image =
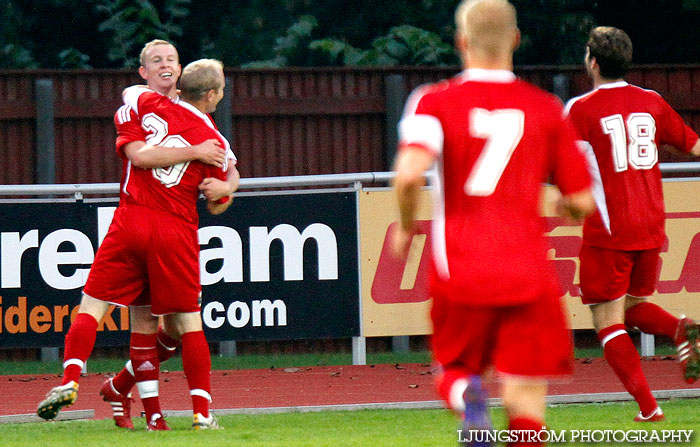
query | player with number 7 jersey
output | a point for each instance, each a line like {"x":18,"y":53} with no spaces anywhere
{"x":497,"y":139}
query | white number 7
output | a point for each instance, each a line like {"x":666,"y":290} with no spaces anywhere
{"x":502,"y":130}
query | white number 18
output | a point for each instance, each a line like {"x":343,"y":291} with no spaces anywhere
{"x":641,"y":152}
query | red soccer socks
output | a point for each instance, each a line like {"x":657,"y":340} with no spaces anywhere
{"x":196,"y":362}
{"x":623,"y":357}
{"x":166,"y":347}
{"x":651,"y":319}
{"x":78,"y":345}
{"x":528,"y":429}
{"x":146,"y":367}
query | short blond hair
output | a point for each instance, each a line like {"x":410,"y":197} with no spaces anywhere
{"x":488,"y":25}
{"x":199,"y":77}
{"x":151,"y":44}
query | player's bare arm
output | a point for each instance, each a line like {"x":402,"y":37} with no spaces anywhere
{"x":148,"y":156}
{"x":410,"y":166}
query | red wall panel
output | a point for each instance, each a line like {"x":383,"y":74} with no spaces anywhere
{"x":285,"y":122}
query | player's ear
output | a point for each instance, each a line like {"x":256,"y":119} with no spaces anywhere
{"x":142,"y":72}
{"x":516,"y":41}
{"x":460,"y":42}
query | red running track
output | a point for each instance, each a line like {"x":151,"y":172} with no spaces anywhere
{"x":327,"y":385}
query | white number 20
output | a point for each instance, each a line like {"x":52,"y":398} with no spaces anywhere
{"x":502,"y":130}
{"x":158,"y":135}
{"x":641,"y":152}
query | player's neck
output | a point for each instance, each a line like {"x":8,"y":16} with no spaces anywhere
{"x":599,"y":80}
{"x":199,"y":105}
{"x":172,"y":92}
{"x":490,"y":64}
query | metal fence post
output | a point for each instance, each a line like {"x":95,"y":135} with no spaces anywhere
{"x":561,"y":86}
{"x":395,"y":99}
{"x":647,"y":342}
{"x":400,"y":343}
{"x":45,"y":157}
{"x":46,"y":153}
{"x":223,"y":114}
{"x":227,"y":348}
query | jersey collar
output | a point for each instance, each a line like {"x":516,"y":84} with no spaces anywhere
{"x":485,"y":75}
{"x":615,"y":84}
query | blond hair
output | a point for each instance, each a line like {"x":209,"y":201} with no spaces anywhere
{"x":488,"y":25}
{"x":151,"y":44}
{"x":199,"y":77}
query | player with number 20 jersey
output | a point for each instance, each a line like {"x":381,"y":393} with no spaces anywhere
{"x":158,"y":248}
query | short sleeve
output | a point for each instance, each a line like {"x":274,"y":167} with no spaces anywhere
{"x":420,"y":125}
{"x":128,"y":128}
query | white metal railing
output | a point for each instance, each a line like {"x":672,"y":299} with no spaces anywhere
{"x":259,"y":182}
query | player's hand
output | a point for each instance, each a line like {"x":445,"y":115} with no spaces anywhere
{"x":215,"y":189}
{"x":210,"y":152}
{"x":401,"y":241}
{"x":568,"y":211}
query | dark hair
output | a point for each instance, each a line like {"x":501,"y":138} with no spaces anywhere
{"x":612,"y":49}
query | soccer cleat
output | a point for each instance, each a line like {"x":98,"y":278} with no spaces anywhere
{"x":656,"y":416}
{"x":688,"y":346}
{"x":476,"y":412}
{"x":57,"y":398}
{"x":157,"y":423}
{"x":121,"y":405}
{"x":202,"y":423}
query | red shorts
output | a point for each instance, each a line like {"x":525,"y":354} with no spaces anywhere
{"x":608,"y":275}
{"x":146,"y":251}
{"x":529,"y":340}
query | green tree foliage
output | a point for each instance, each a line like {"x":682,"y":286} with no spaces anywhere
{"x":72,"y":58}
{"x":110,"y":33}
{"x":290,"y":49}
{"x":132,"y":23}
{"x":13,"y":54}
{"x":404,"y":45}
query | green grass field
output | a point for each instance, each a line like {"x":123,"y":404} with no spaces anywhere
{"x":352,"y":428}
{"x":375,"y":428}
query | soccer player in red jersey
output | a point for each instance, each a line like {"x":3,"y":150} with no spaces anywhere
{"x":494,"y":140}
{"x":160,"y":68}
{"x":621,"y":127}
{"x":152,"y":243}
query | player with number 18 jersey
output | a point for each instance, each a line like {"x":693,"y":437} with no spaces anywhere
{"x":621,"y":127}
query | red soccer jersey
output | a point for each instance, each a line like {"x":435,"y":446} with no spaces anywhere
{"x":171,"y":123}
{"x":621,"y":126}
{"x":497,"y":139}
